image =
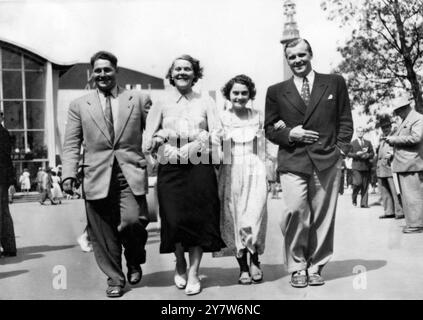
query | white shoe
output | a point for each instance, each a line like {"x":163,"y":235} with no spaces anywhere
{"x":84,"y":243}
{"x":192,"y":289}
{"x":180,"y":280}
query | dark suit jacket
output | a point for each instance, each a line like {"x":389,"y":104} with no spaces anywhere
{"x":359,"y":163}
{"x":328,"y":113}
{"x":6,"y":167}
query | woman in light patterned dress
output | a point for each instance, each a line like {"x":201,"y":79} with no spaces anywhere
{"x":181,"y":126}
{"x":243,"y":180}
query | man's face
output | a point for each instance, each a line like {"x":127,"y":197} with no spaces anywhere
{"x":386,"y":129}
{"x":104,"y":75}
{"x":299,"y":59}
{"x":360,"y":133}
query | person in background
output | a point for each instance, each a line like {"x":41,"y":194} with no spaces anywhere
{"x":25,"y":181}
{"x":46,"y":187}
{"x":7,"y":179}
{"x":362,"y":154}
{"x":407,"y":162}
{"x":391,"y":203}
{"x":56,"y":191}
{"x":243,"y":217}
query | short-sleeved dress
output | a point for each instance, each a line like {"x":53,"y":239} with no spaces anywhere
{"x":187,"y":191}
{"x":243,"y":186}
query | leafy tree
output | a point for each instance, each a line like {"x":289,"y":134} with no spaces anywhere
{"x":384,"y":53}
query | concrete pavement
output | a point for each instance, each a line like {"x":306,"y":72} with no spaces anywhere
{"x":373,"y":260}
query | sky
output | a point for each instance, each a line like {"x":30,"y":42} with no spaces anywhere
{"x":229,"y":37}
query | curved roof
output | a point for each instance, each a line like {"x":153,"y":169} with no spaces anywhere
{"x":34,"y":52}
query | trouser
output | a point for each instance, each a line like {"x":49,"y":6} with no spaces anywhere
{"x":411,"y":187}
{"x":390,"y":200}
{"x":361,"y":181}
{"x":116,"y":221}
{"x":7,"y":232}
{"x":46,"y":194}
{"x":308,"y":219}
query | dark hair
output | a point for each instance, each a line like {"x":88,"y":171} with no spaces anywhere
{"x":296,"y":41}
{"x":241,"y":79}
{"x":198,"y":70}
{"x":104,"y":55}
{"x":382,"y":120}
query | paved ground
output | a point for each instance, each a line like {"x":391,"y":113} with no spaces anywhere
{"x":50,"y":264}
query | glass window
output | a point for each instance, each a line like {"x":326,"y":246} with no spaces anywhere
{"x":13,"y":114}
{"x":34,"y":85}
{"x":12,"y":85}
{"x":33,"y":63}
{"x":35,"y":115}
{"x":18,"y":142}
{"x":11,"y":59}
{"x":37,"y":144}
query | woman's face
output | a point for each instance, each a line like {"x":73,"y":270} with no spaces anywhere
{"x":182,"y":74}
{"x":239,"y":95}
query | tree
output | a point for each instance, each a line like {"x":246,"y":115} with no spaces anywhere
{"x":384,"y":53}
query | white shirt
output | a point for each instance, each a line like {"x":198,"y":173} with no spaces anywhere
{"x":114,"y":101}
{"x":299,"y":81}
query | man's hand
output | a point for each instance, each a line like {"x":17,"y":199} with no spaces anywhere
{"x":68,"y":184}
{"x":306,"y":136}
{"x":389,"y":140}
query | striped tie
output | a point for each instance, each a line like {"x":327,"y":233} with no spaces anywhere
{"x":109,"y":117}
{"x":305,"y":91}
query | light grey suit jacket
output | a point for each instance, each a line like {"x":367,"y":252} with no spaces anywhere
{"x":408,"y":144}
{"x":86,"y":124}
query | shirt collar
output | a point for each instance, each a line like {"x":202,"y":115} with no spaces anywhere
{"x":179,"y":96}
{"x":310,"y":77}
{"x":114,"y":92}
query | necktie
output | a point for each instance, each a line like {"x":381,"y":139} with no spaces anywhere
{"x":109,"y":117}
{"x":305,"y":91}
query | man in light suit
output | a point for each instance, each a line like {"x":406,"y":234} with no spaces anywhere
{"x":110,"y":121}
{"x":316,"y":110}
{"x":362,"y":154}
{"x":7,"y":231}
{"x":407,"y":162}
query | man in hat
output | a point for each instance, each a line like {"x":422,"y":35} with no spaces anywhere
{"x":407,"y":162}
{"x":390,"y":198}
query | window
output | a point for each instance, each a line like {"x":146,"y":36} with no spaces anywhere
{"x":22,"y":99}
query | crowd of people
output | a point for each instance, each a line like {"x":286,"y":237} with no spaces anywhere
{"x":212,"y":171}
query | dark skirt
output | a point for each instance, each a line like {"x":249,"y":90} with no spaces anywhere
{"x":189,"y":207}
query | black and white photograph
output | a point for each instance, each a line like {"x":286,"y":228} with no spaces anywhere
{"x":199,"y":150}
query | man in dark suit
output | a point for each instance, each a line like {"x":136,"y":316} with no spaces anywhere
{"x":110,"y":121}
{"x":316,"y":110}
{"x":7,"y":232}
{"x":362,"y":155}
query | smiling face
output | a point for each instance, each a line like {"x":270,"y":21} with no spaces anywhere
{"x":104,"y":73}
{"x":182,"y":74}
{"x":239,"y":95}
{"x":299,"y":59}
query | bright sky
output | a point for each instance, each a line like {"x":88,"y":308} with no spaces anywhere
{"x":228,"y":36}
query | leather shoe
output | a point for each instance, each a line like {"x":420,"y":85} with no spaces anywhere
{"x":354,"y":204}
{"x":134,"y":275}
{"x":299,"y":280}
{"x":114,"y":291}
{"x":244,"y":278}
{"x":256,"y":273}
{"x":412,"y":230}
{"x":387,"y":216}
{"x":365,"y":207}
{"x":315,"y":279}
{"x":8,"y":254}
{"x":399,"y":217}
